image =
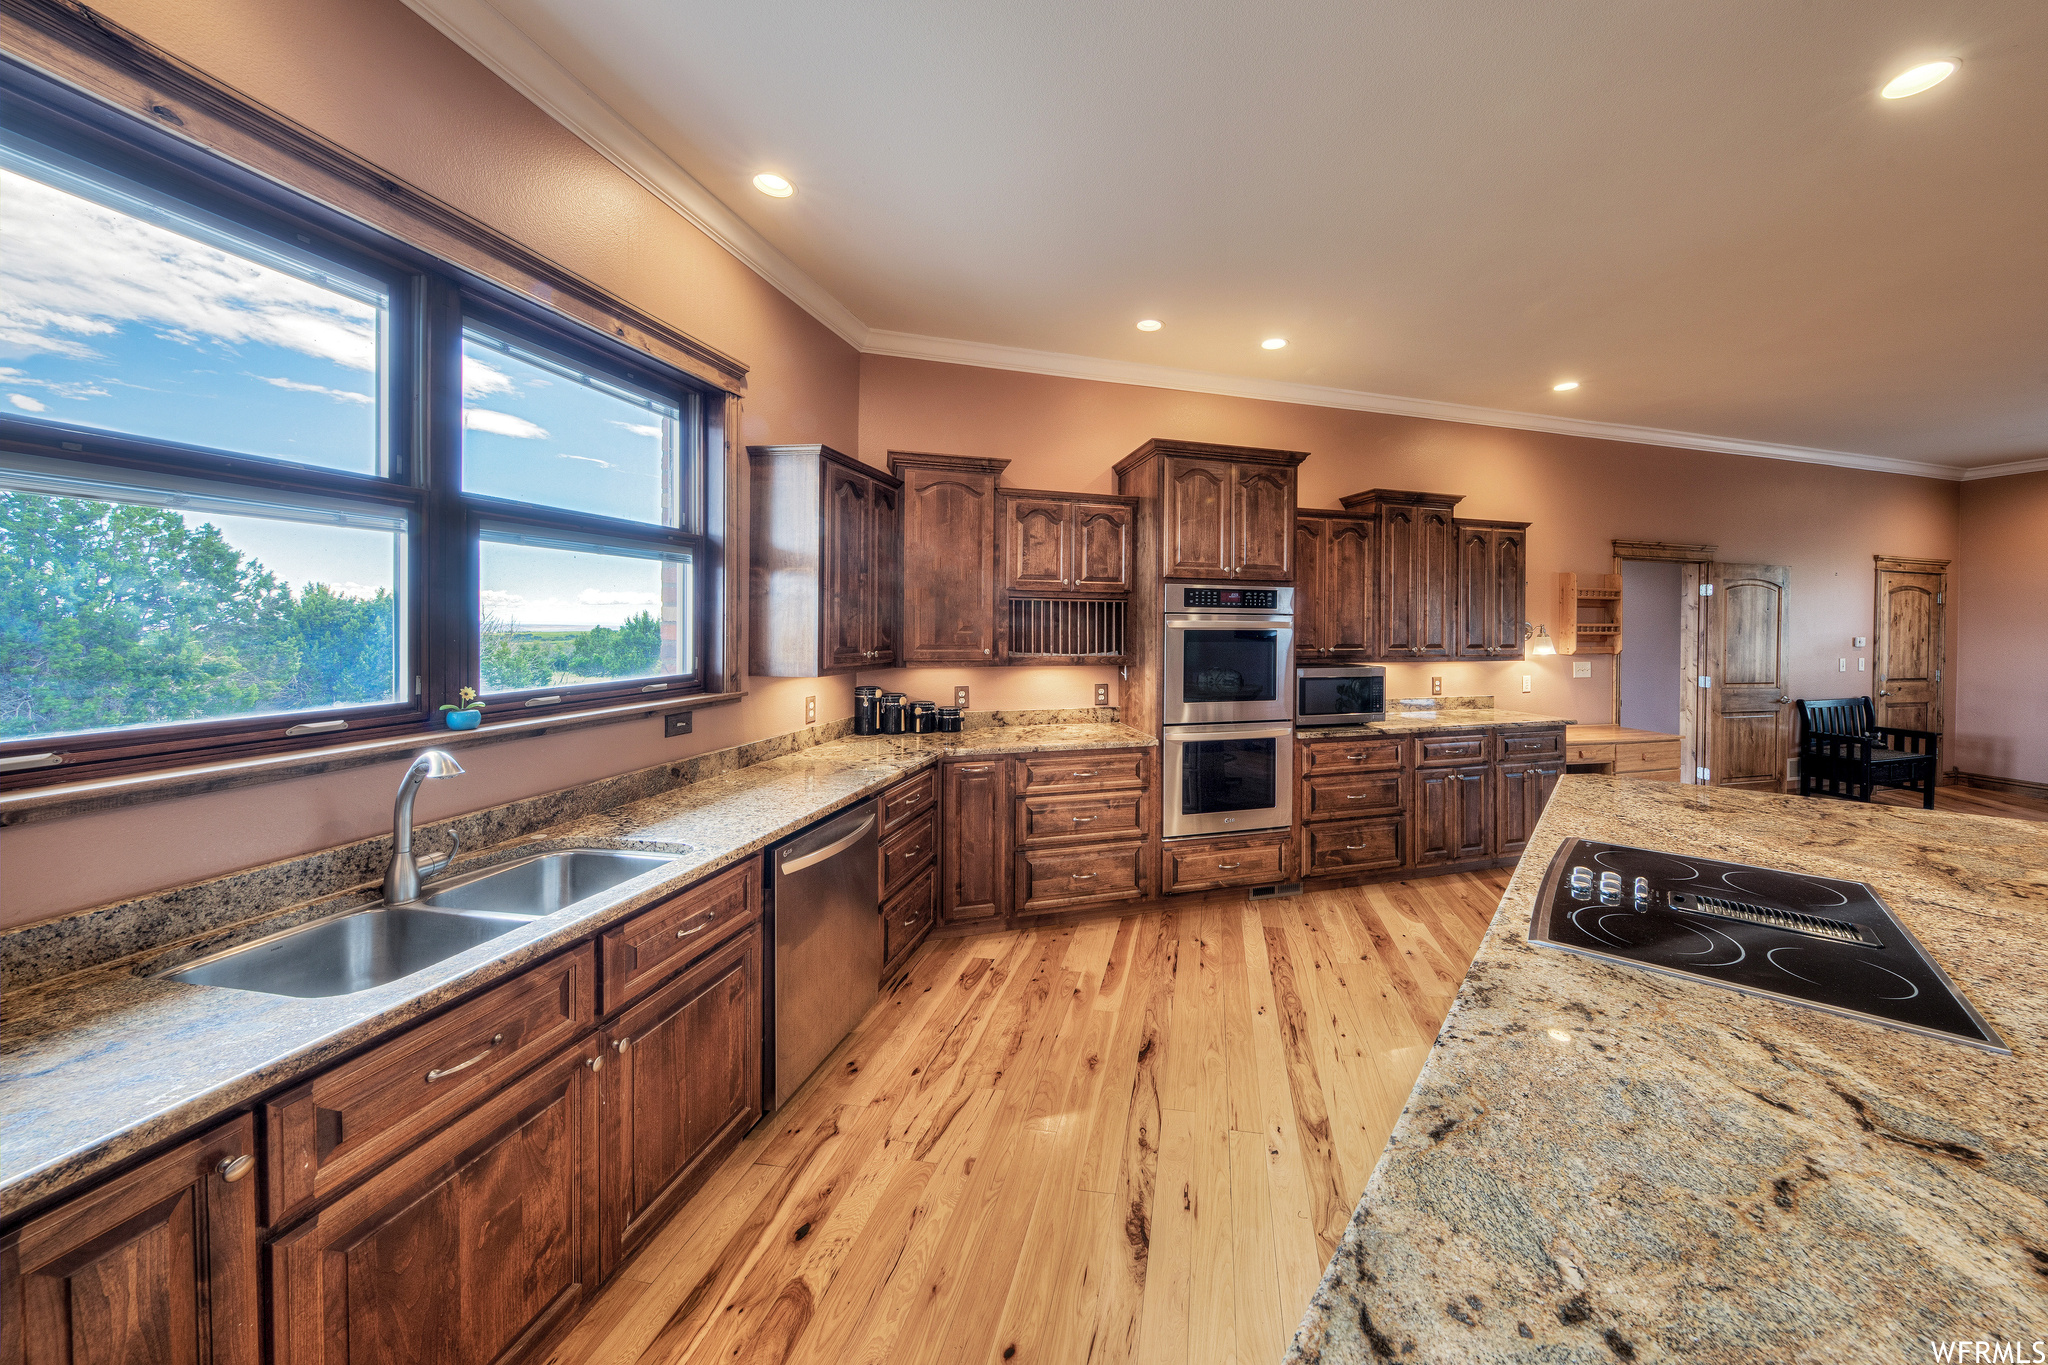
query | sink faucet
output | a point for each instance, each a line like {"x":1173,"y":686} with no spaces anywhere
{"x":404,"y":876}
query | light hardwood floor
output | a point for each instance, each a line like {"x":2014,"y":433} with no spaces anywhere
{"x":1127,"y":1140}
{"x":1969,"y":801}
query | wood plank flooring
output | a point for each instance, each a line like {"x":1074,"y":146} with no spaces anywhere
{"x":1131,"y":1140}
{"x":1969,"y":801}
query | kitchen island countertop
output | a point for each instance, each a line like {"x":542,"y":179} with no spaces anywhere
{"x":1599,"y":1163}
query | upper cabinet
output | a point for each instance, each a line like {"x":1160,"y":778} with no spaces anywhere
{"x":949,"y":558}
{"x":1417,"y":587}
{"x":1065,"y":544}
{"x":825,"y":563}
{"x":1492,"y":581}
{"x":1223,"y":511}
{"x":1336,"y":608}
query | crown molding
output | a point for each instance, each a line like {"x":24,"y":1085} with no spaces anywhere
{"x":1999,"y":471}
{"x":989,"y":356}
{"x":485,"y":34}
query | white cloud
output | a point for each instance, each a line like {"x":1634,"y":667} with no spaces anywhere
{"x":480,"y":377}
{"x":587,"y":459}
{"x":361,"y":592}
{"x":26,"y":403}
{"x":637,"y":428}
{"x":593,"y":597}
{"x":338,"y":395}
{"x":74,"y":270}
{"x":502,"y":423}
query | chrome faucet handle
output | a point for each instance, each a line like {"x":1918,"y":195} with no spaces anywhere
{"x":441,"y":864}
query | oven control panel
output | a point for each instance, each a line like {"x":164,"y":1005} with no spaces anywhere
{"x":1256,"y":599}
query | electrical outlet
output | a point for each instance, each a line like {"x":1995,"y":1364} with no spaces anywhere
{"x":810,"y":710}
{"x":1436,"y":687}
{"x":960,"y":697}
{"x":1528,"y":683}
{"x":1102,"y":694}
{"x":677,"y":724}
{"x":1862,"y":641}
{"x":1581,"y":670}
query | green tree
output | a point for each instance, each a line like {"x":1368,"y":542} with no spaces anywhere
{"x":628,"y":652}
{"x":509,"y":664}
{"x":346,"y":646}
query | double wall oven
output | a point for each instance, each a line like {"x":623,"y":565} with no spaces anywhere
{"x":1228,"y":711}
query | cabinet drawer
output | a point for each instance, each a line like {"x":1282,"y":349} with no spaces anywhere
{"x":1638,"y":758}
{"x":1435,"y":750}
{"x":1340,"y":755}
{"x":1353,"y":846}
{"x":1589,"y":753}
{"x":1200,"y":864}
{"x":356,"y":1117}
{"x":907,"y":798}
{"x":1532,"y":745}
{"x":908,"y":849}
{"x":1081,"y":772}
{"x":641,"y":952}
{"x":906,"y":918}
{"x":1657,"y":775}
{"x":1048,"y":820}
{"x":1057,"y":878}
{"x":1331,"y":798}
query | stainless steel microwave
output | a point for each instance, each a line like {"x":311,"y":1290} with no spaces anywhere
{"x":1338,"y":694}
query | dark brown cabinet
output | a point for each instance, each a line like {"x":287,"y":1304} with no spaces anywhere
{"x":681,"y":1083}
{"x":1451,"y":814}
{"x":1102,"y":547}
{"x":949,"y":558}
{"x":825,"y":573}
{"x":1492,"y":582}
{"x":1336,"y":579}
{"x":1523,"y":789}
{"x":1222,"y":511}
{"x":478,"y":1244}
{"x":1056,"y":544}
{"x":974,"y":862}
{"x":159,"y":1264}
{"x":1415,"y":582}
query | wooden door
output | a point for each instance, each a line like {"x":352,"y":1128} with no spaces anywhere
{"x":682,"y":1084}
{"x":1196,"y":501}
{"x":1101,"y":559}
{"x":948,"y":542}
{"x":474,"y":1247}
{"x":1508,"y":591}
{"x":1476,"y":605}
{"x":1451,"y":814}
{"x":1435,"y":583}
{"x":885,"y":578}
{"x":157,"y":1265}
{"x":1310,"y":607}
{"x":847,"y":615}
{"x":1036,"y":533}
{"x":1907,"y":649}
{"x":1347,"y":590}
{"x":1399,"y":595}
{"x":1747,"y":665}
{"x":1262,"y":522}
{"x":1522,"y":791}
{"x":974,"y":842}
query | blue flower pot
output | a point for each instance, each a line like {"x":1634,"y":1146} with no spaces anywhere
{"x":464,"y":720}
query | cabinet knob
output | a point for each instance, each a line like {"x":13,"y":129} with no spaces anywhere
{"x":595,"y":1063}
{"x":235,"y":1167}
{"x":621,"y":1044}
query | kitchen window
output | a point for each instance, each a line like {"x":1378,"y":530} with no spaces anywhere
{"x":270,"y":480}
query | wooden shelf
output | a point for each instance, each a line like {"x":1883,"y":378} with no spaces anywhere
{"x":1588,"y":614}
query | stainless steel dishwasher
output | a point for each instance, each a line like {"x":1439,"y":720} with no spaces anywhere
{"x":828,"y":940}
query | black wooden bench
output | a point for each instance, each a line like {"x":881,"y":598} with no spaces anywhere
{"x":1844,"y":752}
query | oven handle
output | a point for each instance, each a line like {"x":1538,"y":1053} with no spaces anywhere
{"x":1178,"y":622}
{"x":1277,"y":729}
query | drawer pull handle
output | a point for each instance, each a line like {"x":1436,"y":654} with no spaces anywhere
{"x":1359,"y":796}
{"x":685,"y":933}
{"x":439,"y":1072}
{"x":977,"y":768}
{"x":1353,"y":848}
{"x":1089,"y":773}
{"x":1083,"y":819}
{"x":1355,"y":758}
{"x":1229,"y":867}
{"x":1082,"y":876}
{"x":233,"y":1168}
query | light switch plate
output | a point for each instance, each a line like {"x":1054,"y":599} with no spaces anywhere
{"x":960,"y":697}
{"x":1102,"y":694}
{"x":677,"y":724}
{"x":810,"y":710}
{"x":1528,"y":683}
{"x":1859,"y":665}
{"x":1581,"y":670}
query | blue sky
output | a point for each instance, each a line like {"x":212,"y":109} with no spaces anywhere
{"x":114,"y":322}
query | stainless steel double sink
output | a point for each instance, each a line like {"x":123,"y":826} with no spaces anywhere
{"x":380,"y":944}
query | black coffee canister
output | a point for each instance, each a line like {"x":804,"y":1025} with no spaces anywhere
{"x":949,"y":720}
{"x":867,"y":718}
{"x":892,"y":713}
{"x":923,"y":718}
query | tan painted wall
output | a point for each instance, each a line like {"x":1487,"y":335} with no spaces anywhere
{"x":1823,"y":522}
{"x":374,"y":77}
{"x":1999,"y":717}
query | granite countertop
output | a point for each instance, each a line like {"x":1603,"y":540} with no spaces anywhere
{"x":1424,"y":722}
{"x":101,"y":1064}
{"x":1599,"y":1163}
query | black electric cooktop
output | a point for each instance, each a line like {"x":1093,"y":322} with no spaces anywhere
{"x":1814,"y":941}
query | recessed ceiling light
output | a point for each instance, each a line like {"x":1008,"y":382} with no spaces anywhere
{"x":773,"y":186}
{"x":1565,"y":387}
{"x":1150,"y":325}
{"x":1274,"y":343}
{"x":1919,"y":78}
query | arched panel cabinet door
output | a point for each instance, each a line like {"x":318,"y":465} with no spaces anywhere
{"x":1037,"y":550}
{"x":950,"y":559}
{"x":1311,"y":588}
{"x":1197,"y":530}
{"x":1262,"y":522}
{"x":1101,"y":560}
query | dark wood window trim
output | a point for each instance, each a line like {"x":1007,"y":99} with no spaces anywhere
{"x":70,"y":67}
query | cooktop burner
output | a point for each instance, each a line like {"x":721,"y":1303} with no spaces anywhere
{"x":1831,"y":945}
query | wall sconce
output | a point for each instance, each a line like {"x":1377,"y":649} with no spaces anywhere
{"x":1541,"y":635}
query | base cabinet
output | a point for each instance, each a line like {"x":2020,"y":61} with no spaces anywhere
{"x":1524,"y":790}
{"x":1233,"y":860}
{"x":974,"y":863}
{"x":157,"y":1265}
{"x":1451,"y":814}
{"x":475,"y":1246}
{"x":1355,"y":846}
{"x":681,"y":1084}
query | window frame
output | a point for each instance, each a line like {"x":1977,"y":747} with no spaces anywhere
{"x":431,"y":296}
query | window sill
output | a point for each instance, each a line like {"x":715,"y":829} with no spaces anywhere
{"x":134,"y":789}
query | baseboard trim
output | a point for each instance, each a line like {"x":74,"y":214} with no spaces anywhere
{"x":2015,"y":785}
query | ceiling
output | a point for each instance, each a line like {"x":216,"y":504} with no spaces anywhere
{"x":1704,"y":213}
